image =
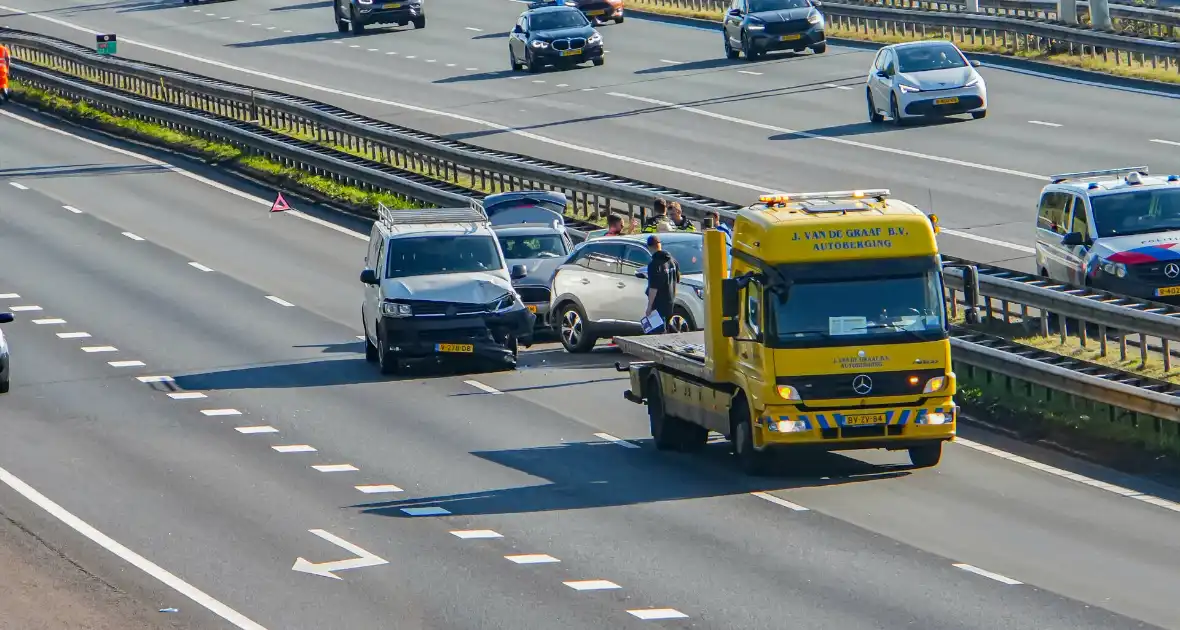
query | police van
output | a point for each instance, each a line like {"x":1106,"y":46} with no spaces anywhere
{"x":437,"y":288}
{"x":1116,"y":230}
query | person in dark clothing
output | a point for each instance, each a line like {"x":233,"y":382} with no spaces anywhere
{"x":659,"y":213}
{"x":663,"y":274}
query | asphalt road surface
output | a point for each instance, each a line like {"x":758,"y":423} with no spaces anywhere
{"x":254,"y":456}
{"x":666,"y":107}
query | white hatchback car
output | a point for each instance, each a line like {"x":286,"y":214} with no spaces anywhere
{"x":600,"y":290}
{"x":5,"y":359}
{"x":924,"y":79}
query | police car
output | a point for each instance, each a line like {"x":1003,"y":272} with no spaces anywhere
{"x":1115,"y":229}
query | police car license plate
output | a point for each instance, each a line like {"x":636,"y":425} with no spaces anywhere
{"x":1162,"y":291}
{"x":465,"y":348}
{"x":394,"y":5}
{"x":598,"y":12}
{"x":872,"y":418}
{"x":790,"y":38}
{"x":571,"y":53}
{"x":532,"y":308}
{"x":946,"y":101}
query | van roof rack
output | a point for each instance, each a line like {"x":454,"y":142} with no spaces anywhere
{"x":1115,"y":172}
{"x":429,"y":216}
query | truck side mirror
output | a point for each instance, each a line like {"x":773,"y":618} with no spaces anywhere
{"x":729,"y":328}
{"x":971,"y":294}
{"x":368,"y":276}
{"x":729,"y":299}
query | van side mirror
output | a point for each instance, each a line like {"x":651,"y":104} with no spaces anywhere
{"x":517,"y":29}
{"x":729,"y":328}
{"x":518,"y":271}
{"x":975,"y":63}
{"x":368,"y":276}
{"x":6,"y":317}
{"x":1073,"y":239}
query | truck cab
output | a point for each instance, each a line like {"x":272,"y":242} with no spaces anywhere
{"x":829,"y":332}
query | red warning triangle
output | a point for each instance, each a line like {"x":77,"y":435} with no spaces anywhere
{"x":280,"y":204}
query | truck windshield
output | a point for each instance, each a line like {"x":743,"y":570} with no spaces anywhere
{"x":1138,"y":212}
{"x":844,"y":312}
{"x":435,"y":254}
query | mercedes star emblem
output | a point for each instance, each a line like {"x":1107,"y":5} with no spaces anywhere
{"x":862,"y":385}
{"x":1171,"y":270}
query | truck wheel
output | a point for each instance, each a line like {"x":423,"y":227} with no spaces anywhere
{"x":386,"y":360}
{"x":665,"y":430}
{"x":752,"y":462}
{"x":926,"y":456}
{"x":574,"y":334}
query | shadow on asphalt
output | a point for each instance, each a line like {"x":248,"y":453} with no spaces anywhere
{"x":315,"y":373}
{"x":866,"y":128}
{"x":322,"y":4}
{"x":287,"y":40}
{"x":586,"y":475}
{"x":503,"y":35}
{"x":79,"y":170}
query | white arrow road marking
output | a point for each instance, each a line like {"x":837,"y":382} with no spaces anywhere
{"x":325,"y":569}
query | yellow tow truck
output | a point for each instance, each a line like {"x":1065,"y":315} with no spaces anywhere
{"x":829,"y":332}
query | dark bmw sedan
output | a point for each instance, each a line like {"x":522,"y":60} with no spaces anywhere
{"x":755,"y":27}
{"x":553,"y":36}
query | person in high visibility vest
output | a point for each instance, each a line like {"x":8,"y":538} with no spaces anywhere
{"x":5,"y":68}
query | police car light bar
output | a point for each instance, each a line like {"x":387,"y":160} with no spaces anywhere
{"x":1057,"y":179}
{"x":873,"y":193}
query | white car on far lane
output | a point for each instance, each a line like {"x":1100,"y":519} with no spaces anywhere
{"x":924,"y":79}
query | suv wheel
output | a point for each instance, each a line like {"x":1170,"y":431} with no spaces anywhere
{"x":574,"y":334}
{"x":512,"y":61}
{"x":420,"y":21}
{"x":341,"y":25}
{"x":358,"y":27}
{"x":680,"y":321}
{"x":730,"y":53}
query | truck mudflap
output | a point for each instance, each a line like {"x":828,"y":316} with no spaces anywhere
{"x":640,"y":372}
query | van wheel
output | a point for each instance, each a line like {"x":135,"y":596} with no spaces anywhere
{"x":926,"y":456}
{"x":386,"y":360}
{"x":753,"y":463}
{"x":575,"y":335}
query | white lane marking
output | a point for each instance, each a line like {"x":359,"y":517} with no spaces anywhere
{"x":122,"y":364}
{"x":187,"y":395}
{"x":1171,"y":142}
{"x":73,"y":335}
{"x":532,"y":558}
{"x":471,"y":69}
{"x":354,"y":46}
{"x":1065,"y":474}
{"x":473,"y":534}
{"x":426,"y":511}
{"x":990,"y":241}
{"x":750,"y":72}
{"x":256,"y":429}
{"x":487,"y":388}
{"x":73,"y":209}
{"x":1096,"y":84}
{"x":615,"y":440}
{"x":143,"y":564}
{"x":987,"y":574}
{"x":429,"y":61}
{"x":132,"y":236}
{"x":378,"y":488}
{"x":27,"y":307}
{"x":287,"y":31}
{"x":1043,"y":123}
{"x":671,"y":62}
{"x":650,"y":614}
{"x":843,"y":141}
{"x":391,"y":53}
{"x":777,"y":501}
{"x":450,"y":65}
{"x":325,"y":569}
{"x":372,"y":50}
{"x":411,"y":56}
{"x":18,"y":186}
{"x":538,"y":81}
{"x":361,"y":337}
{"x":591,"y":585}
{"x":472,"y":28}
{"x":99,"y":349}
{"x":270,"y":28}
{"x":327,"y":468}
{"x":294,"y":448}
{"x":9,"y":296}
{"x":563,"y":85}
{"x":44,"y":322}
{"x":279,"y":301}
{"x":240,"y":21}
{"x":199,"y":267}
{"x":221,"y":412}
{"x":838,"y":87}
{"x":154,"y":379}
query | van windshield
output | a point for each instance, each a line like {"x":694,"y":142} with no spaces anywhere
{"x":860,"y":311}
{"x":1138,"y":212}
{"x":432,"y":255}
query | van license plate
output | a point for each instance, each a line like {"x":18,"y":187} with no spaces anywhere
{"x":790,"y":38}
{"x":455,"y":347}
{"x":1162,"y":291}
{"x":946,"y":101}
{"x":873,"y":418}
{"x":571,"y":53}
{"x":532,"y":308}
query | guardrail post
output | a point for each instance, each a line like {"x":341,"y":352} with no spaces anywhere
{"x":972,"y":6}
{"x":1067,"y":11}
{"x":1142,"y":350}
{"x":1100,"y":15}
{"x":1167,"y":355}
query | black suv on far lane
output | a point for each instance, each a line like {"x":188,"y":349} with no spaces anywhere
{"x":358,"y":14}
{"x":755,"y":27}
{"x":553,"y":35}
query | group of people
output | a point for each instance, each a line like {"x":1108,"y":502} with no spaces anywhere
{"x":663,"y":274}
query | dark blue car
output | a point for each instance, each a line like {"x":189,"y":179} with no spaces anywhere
{"x":357,"y":14}
{"x":756,"y":27}
{"x":553,"y":35}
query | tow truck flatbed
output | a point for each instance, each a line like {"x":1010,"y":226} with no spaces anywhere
{"x":682,"y":352}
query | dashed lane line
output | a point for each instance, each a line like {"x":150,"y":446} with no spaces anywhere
{"x":155,"y":379}
{"x":426,"y":511}
{"x":616,"y":440}
{"x":1170,"y":142}
{"x":93,"y":349}
{"x":329,"y":468}
{"x":987,"y":574}
{"x":9,"y":296}
{"x":73,"y":209}
{"x":279,"y":301}
{"x":18,"y":185}
{"x":779,"y":501}
{"x":378,"y":488}
{"x":751,"y":72}
{"x":49,"y":321}
{"x":1043,"y":123}
{"x":472,"y":28}
{"x":256,"y":429}
{"x":221,"y":412}
{"x":653,"y":614}
{"x":126,"y":364}
{"x":133,"y":236}
{"x":186,"y":395}
{"x":24,"y":308}
{"x":199,"y":267}
{"x":486,"y":388}
{"x":592,"y":585}
{"x":73,"y":335}
{"x":474,"y":534}
{"x":294,"y":448}
{"x":532,"y":558}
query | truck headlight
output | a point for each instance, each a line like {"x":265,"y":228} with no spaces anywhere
{"x":393,"y":309}
{"x":1114,"y":268}
{"x":785,"y":426}
{"x":937,"y":417}
{"x":935,"y":384}
{"x":788,"y":393}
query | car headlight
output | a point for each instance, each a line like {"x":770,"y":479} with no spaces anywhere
{"x":503,"y":303}
{"x":786,"y":392}
{"x":595,"y":38}
{"x":540,"y":44}
{"x":975,"y":80}
{"x":935,"y":384}
{"x":754,"y":26}
{"x":393,"y":309}
{"x":365,"y":1}
{"x":1114,"y":268}
{"x":906,"y":89}
{"x":815,"y":18}
{"x":700,"y":291}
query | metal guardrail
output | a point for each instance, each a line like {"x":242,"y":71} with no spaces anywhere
{"x":1127,"y":18}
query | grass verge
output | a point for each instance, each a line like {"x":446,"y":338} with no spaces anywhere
{"x":319,"y":188}
{"x":879,"y":35}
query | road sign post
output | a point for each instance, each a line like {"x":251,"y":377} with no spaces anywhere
{"x":106,"y":44}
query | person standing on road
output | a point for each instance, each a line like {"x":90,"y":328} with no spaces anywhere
{"x":679,"y":221}
{"x":614,"y":226}
{"x":659,"y":215}
{"x":663,"y":275}
{"x":5,"y":71}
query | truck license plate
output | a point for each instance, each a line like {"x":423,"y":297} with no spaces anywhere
{"x":790,"y":38}
{"x":1162,"y":291}
{"x":455,"y":347}
{"x":946,"y":101}
{"x":532,"y":308}
{"x":571,"y":53}
{"x":872,"y":418}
